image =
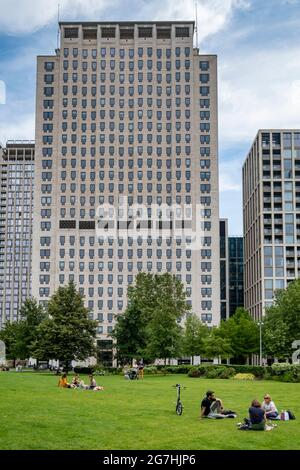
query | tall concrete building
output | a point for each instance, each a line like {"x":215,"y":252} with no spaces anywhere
{"x":16,"y":214}
{"x":235,"y":273}
{"x":271,"y":207}
{"x":224,"y":269}
{"x":126,"y":110}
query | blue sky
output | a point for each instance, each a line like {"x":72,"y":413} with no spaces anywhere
{"x":258,"y":48}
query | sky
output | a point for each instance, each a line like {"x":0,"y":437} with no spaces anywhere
{"x":258,"y":48}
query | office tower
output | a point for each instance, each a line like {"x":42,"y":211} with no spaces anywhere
{"x":271,"y":208}
{"x":224,"y":267}
{"x":125,"y":110}
{"x":236,"y":273}
{"x":16,"y":213}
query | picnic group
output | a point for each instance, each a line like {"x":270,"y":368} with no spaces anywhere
{"x":77,"y":383}
{"x":261,"y":414}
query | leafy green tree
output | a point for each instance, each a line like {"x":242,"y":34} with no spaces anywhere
{"x":129,"y":334}
{"x":163,"y":330}
{"x":216,"y":346}
{"x":243,"y":334}
{"x":10,"y":334}
{"x":31,"y":316}
{"x":164,"y":334}
{"x":68,"y":333}
{"x":194,"y":334}
{"x":156,"y":304}
{"x":275,"y":335}
{"x":287,"y":305}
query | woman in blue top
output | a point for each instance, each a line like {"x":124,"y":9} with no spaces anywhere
{"x":257,"y":416}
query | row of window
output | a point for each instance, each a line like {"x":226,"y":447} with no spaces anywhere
{"x":49,"y":104}
{"x":131,"y":53}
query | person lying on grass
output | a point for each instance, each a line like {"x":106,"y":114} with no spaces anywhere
{"x":212,"y":407}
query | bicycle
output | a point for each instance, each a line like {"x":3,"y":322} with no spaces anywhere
{"x":179,"y":405}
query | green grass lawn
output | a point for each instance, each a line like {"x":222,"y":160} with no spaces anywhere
{"x":36,"y":414}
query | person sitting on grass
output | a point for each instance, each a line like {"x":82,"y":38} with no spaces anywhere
{"x":269,"y":407}
{"x":257,"y":416}
{"x":212,"y":407}
{"x":93,"y":384}
{"x":75,"y":381}
{"x":63,"y":382}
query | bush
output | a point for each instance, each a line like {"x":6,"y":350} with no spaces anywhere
{"x":194,"y":372}
{"x":228,"y":373}
{"x":258,"y":371}
{"x":286,"y":372}
{"x":150,"y":370}
{"x":84,"y":370}
{"x":244,"y":376}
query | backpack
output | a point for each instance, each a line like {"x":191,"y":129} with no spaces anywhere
{"x":291,"y":414}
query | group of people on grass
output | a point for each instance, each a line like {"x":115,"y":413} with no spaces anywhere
{"x":77,"y":383}
{"x":259,"y":413}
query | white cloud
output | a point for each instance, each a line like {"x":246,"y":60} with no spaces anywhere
{"x":213,"y":15}
{"x":260,"y":89}
{"x":230,"y":178}
{"x":19,"y":128}
{"x":18,"y":17}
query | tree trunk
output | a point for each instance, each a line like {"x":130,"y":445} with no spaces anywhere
{"x":192,"y":360}
{"x":67,"y":367}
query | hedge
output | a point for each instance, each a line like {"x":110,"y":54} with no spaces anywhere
{"x":280,"y":372}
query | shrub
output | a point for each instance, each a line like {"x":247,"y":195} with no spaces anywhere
{"x":194,"y":372}
{"x":150,"y":370}
{"x":84,"y":370}
{"x":227,"y":373}
{"x":244,"y":376}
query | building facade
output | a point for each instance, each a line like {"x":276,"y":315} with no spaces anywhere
{"x":235,"y":273}
{"x":271,"y":209}
{"x":126,"y":116}
{"x":16,"y":216}
{"x":224,"y":269}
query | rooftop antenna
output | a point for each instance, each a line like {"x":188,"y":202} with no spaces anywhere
{"x":58,"y":19}
{"x":196,"y":28}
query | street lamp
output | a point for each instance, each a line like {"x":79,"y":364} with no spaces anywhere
{"x":260,"y":323}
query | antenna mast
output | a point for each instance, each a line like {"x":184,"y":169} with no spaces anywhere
{"x":58,"y":19}
{"x":196,"y":28}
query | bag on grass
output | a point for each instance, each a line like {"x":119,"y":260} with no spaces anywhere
{"x":284,"y":416}
{"x":291,"y":414}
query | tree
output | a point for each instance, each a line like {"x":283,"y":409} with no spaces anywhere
{"x":194,"y":334}
{"x":216,"y":346}
{"x":129,"y":333}
{"x":156,"y":304}
{"x":242,"y":333}
{"x":163,"y":334}
{"x":275,"y":333}
{"x":31,"y":316}
{"x":287,"y":308}
{"x":10,"y":334}
{"x":67,"y":334}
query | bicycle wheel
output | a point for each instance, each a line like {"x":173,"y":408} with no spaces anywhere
{"x":179,"y":408}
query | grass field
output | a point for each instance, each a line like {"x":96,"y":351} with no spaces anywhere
{"x":36,"y":414}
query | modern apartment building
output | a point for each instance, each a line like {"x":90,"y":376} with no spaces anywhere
{"x":271,"y":207}
{"x":235,"y":273}
{"x":224,"y":269}
{"x":16,"y":214}
{"x":126,"y":110}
